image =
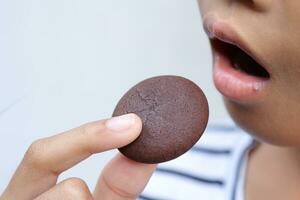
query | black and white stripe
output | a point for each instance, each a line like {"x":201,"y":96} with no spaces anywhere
{"x":208,"y":171}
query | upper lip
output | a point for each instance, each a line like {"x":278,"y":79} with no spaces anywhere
{"x":222,"y":30}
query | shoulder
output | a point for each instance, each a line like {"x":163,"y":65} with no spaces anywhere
{"x":206,"y":170}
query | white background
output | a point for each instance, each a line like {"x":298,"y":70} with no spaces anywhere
{"x":67,"y":62}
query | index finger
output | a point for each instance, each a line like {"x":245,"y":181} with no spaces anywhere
{"x":47,"y":158}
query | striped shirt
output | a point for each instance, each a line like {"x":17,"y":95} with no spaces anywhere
{"x":214,"y":169}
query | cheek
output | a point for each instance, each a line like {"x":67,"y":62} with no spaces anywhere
{"x":274,"y":122}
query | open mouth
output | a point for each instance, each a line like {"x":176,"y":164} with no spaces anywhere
{"x":240,"y":60}
{"x":238,"y":73}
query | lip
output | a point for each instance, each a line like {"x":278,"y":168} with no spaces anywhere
{"x":233,"y":84}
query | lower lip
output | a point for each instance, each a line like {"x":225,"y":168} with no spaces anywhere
{"x":233,"y":84}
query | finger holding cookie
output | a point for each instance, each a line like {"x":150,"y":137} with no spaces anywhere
{"x":36,"y":177}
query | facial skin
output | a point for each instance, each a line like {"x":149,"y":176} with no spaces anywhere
{"x":271,"y":29}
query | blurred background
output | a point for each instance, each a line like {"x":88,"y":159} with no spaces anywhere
{"x":67,"y":62}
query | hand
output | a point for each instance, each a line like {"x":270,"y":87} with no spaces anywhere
{"x":36,"y":177}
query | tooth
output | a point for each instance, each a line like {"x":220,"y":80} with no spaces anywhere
{"x":237,"y":67}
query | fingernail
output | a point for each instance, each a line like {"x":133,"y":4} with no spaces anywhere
{"x":120,"y":123}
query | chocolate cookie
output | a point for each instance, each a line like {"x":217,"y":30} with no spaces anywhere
{"x":174,"y":112}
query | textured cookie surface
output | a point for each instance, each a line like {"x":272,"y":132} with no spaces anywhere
{"x":174,"y":112}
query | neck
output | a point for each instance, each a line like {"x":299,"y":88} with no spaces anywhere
{"x":273,"y":173}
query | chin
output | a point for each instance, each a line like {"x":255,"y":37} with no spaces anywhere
{"x":264,"y":125}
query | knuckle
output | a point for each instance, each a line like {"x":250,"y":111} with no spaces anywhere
{"x":76,"y":188}
{"x":88,"y":128}
{"x":35,"y":154}
{"x":120,"y":192}
{"x":91,"y":129}
{"x":85,"y":128}
{"x":90,"y":134}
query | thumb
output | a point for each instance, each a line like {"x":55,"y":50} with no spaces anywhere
{"x":123,"y":178}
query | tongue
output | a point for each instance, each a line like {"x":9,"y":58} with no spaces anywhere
{"x":243,"y":62}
